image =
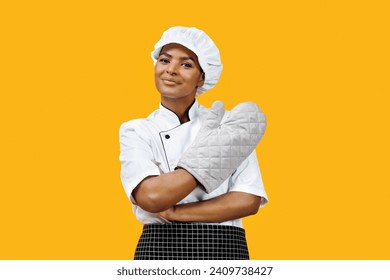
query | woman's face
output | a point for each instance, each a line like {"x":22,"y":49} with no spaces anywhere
{"x":177,"y":73}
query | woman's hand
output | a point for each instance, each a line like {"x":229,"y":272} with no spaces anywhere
{"x":169,"y":214}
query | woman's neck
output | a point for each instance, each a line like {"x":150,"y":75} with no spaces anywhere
{"x":181,"y":109}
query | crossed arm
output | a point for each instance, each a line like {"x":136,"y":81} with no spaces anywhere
{"x":160,"y":194}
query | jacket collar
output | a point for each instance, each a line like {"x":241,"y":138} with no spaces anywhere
{"x":168,"y":117}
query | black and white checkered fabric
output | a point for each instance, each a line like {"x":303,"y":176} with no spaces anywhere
{"x":187,"y":241}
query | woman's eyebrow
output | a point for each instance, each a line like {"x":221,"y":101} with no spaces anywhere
{"x":187,"y":57}
{"x":181,"y":58}
{"x":166,"y":54}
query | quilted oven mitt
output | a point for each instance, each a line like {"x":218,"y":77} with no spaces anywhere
{"x":220,"y":147}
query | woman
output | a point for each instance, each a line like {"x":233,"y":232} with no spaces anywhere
{"x":189,"y":212}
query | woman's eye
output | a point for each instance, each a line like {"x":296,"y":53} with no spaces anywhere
{"x":164,"y":60}
{"x":187,"y":65}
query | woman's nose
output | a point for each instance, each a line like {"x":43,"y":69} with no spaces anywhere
{"x":171,"y":68}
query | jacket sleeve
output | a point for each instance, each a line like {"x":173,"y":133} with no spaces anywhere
{"x":136,"y":157}
{"x":247,"y":178}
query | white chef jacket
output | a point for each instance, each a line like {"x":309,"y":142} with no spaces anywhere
{"x":162,"y":139}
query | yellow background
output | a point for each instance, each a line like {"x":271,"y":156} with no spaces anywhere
{"x":73,"y":71}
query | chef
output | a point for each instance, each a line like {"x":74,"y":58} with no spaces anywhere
{"x":190,"y":204}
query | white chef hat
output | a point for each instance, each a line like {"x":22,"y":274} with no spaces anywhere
{"x":201,"y":44}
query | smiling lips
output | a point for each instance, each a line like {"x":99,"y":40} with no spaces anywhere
{"x":169,"y":82}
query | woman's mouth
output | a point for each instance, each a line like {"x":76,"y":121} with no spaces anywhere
{"x":169,"y":82}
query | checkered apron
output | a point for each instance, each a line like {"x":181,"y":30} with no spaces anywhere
{"x":188,"y":241}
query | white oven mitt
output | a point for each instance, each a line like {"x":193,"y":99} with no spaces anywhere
{"x":220,"y":147}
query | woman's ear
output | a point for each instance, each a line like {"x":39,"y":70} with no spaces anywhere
{"x":201,"y":80}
